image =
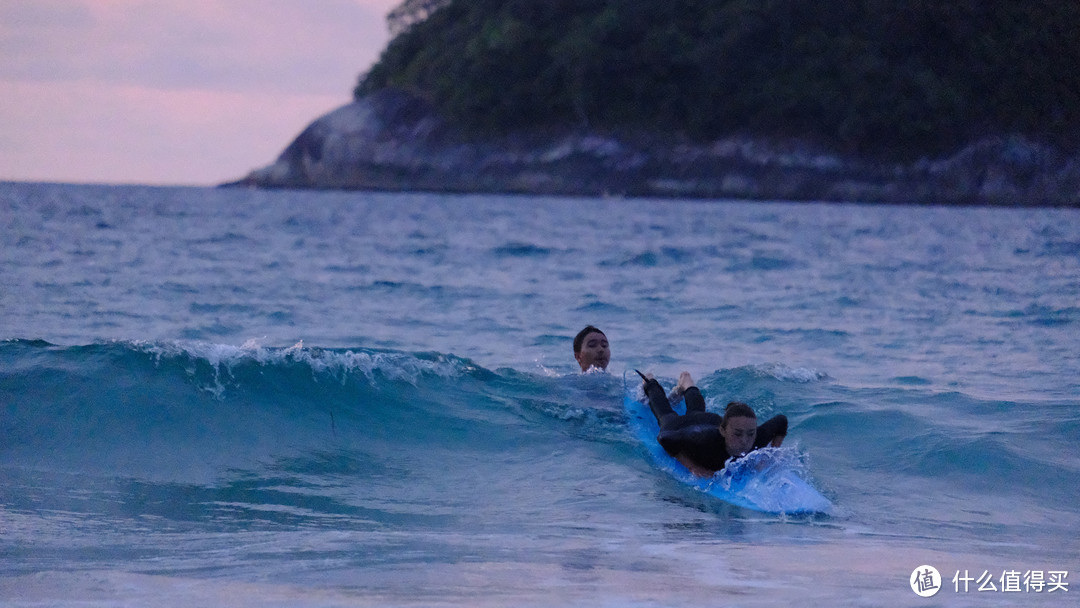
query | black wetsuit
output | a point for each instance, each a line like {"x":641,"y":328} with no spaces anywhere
{"x":697,"y":433}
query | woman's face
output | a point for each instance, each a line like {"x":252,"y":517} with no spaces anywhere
{"x":594,"y":352}
{"x":739,"y":434}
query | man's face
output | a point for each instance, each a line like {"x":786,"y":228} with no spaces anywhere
{"x":594,"y":352}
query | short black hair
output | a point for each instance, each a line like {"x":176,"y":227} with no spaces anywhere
{"x":737,"y":409}
{"x":578,"y":339}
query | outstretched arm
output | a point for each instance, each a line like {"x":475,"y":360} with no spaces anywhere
{"x":772,"y":432}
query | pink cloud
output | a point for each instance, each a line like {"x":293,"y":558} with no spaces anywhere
{"x":88,"y":132}
{"x":161,"y":92}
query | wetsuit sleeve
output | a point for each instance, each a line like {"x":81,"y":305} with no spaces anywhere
{"x":771,"y":429}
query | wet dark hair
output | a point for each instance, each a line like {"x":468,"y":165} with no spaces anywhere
{"x":578,"y":339}
{"x":737,"y":409}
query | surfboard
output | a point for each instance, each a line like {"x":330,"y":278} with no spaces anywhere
{"x":764,"y":480}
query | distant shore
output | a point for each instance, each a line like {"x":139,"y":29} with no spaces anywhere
{"x":390,"y":141}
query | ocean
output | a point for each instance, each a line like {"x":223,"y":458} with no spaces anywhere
{"x":232,"y":397}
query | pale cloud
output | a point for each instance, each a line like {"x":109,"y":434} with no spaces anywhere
{"x":172,"y":92}
{"x":271,"y":45}
{"x":102,"y":133}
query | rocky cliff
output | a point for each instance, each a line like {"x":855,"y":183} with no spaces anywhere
{"x":393,"y":141}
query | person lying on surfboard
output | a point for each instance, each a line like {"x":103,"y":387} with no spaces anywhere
{"x":704,"y":441}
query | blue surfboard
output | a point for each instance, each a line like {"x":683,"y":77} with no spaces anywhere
{"x":763,"y":480}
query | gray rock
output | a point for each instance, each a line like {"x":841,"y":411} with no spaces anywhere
{"x":395,"y":141}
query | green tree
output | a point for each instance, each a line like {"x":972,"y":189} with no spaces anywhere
{"x":890,"y":77}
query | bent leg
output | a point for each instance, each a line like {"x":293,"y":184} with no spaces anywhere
{"x":695,"y":401}
{"x":775,"y":427}
{"x":658,"y":402}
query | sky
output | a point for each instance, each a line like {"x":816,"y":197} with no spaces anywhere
{"x":172,"y":92}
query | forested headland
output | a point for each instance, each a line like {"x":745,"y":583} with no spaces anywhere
{"x":901,"y":101}
{"x":896,"y":79}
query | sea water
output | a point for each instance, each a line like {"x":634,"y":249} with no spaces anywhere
{"x":229,"y":397}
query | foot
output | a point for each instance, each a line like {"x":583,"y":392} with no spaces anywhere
{"x":685,"y":382}
{"x":645,"y":378}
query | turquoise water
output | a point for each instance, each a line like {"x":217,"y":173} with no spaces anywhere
{"x":233,"y":397}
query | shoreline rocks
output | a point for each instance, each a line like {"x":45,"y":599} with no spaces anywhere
{"x":392,"y":141}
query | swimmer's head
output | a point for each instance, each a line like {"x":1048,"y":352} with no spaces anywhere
{"x":739,"y":428}
{"x":591,"y":349}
